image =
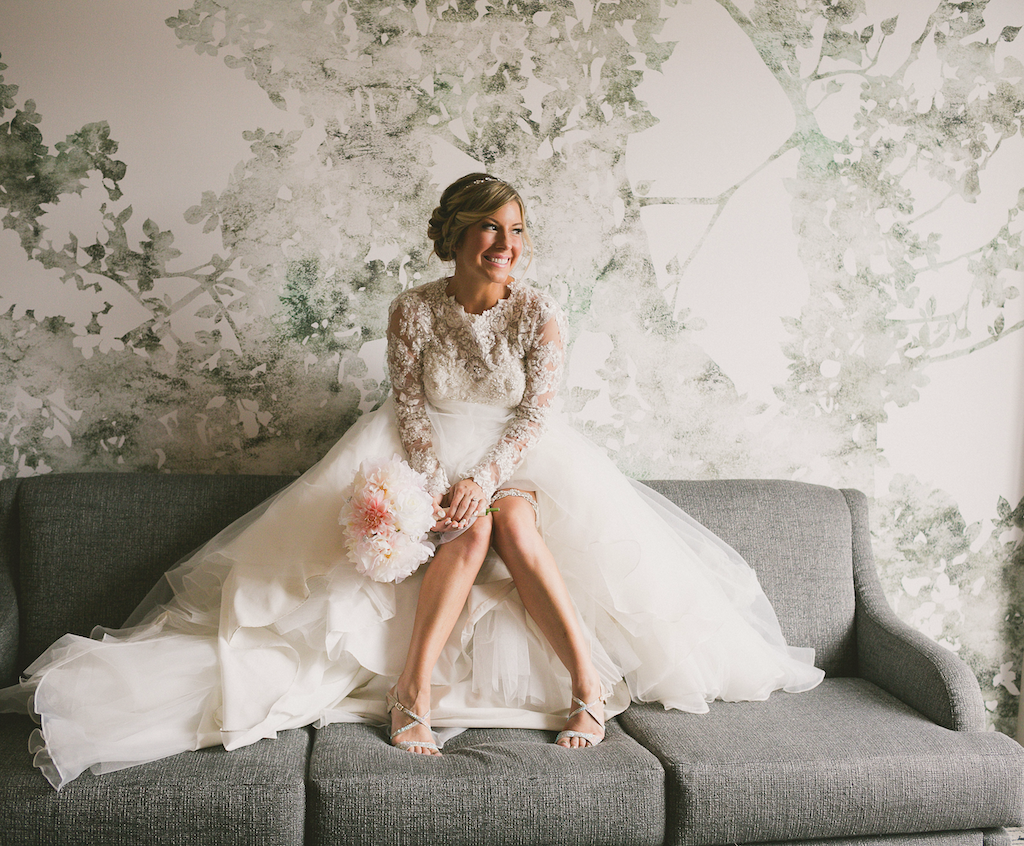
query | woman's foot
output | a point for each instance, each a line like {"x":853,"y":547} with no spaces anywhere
{"x":585,"y":725}
{"x":410,"y":730}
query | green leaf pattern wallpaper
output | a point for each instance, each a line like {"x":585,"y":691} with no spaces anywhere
{"x":786,"y":235}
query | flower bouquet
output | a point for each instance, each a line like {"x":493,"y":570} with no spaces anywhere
{"x":385,"y":519}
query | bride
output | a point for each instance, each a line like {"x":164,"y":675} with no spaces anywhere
{"x":556,"y":581}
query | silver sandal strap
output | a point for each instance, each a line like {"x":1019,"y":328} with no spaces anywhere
{"x":586,"y":707}
{"x":393,"y":703}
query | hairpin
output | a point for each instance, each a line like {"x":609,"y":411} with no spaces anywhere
{"x":485,"y":179}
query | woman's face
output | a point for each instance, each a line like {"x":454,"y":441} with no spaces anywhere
{"x":491,"y":247}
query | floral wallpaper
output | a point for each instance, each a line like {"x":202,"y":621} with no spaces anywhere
{"x":786,"y":233}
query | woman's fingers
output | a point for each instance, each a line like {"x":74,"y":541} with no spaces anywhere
{"x":440,"y":515}
{"x":467,"y":499}
{"x":459,"y":510}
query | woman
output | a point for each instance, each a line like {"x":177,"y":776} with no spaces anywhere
{"x":555,"y":580}
{"x":480,"y":225}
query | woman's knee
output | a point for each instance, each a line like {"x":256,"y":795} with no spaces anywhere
{"x":515,"y":522}
{"x":476,"y":539}
{"x":465,"y":553}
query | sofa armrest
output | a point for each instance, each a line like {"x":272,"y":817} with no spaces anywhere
{"x":898,"y":658}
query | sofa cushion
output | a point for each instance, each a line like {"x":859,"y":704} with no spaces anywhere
{"x":93,"y":545}
{"x":494,"y":786}
{"x":797,"y":537}
{"x":844,"y":759}
{"x":249,"y":797}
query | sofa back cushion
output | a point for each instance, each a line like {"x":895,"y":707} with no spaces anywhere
{"x":91,"y":546}
{"x":798,"y":538}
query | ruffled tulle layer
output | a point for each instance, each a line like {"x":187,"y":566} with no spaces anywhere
{"x":269,"y":627}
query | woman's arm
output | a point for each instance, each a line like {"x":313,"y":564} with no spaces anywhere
{"x":405,"y":365}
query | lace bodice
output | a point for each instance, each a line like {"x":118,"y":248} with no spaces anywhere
{"x":510,"y":356}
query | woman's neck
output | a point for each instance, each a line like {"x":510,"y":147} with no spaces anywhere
{"x":476,"y":297}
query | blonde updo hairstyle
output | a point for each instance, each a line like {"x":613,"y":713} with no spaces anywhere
{"x":467,"y":201}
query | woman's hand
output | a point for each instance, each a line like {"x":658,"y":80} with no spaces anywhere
{"x":464,"y":501}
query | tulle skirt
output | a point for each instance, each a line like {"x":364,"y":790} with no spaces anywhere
{"x":269,"y":626}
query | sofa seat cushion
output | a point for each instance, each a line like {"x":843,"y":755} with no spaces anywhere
{"x":253,"y":796}
{"x":844,"y":759}
{"x":494,"y":786}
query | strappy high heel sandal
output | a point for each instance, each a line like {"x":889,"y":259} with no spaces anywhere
{"x":591,"y":739}
{"x":392,"y":703}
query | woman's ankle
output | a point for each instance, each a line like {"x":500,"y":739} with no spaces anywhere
{"x":587,"y":685}
{"x":413,"y":692}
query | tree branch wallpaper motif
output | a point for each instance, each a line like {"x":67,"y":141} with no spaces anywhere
{"x":786,"y":234}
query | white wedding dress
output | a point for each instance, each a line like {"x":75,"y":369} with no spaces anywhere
{"x":269,"y":626}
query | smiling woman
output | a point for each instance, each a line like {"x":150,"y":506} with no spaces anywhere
{"x":485,"y":249}
{"x":485,"y":257}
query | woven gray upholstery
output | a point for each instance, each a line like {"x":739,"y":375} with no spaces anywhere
{"x":250,"y":797}
{"x":942,"y":838}
{"x":491,"y":786}
{"x":93,"y":545}
{"x":999,"y":837}
{"x":797,"y":538}
{"x":842,"y":760}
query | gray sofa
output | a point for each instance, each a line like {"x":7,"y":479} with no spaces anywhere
{"x":887,"y":750}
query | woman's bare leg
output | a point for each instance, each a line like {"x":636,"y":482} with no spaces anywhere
{"x":546,"y":598}
{"x":443,"y":593}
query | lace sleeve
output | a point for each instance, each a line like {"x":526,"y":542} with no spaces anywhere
{"x":405,"y":366}
{"x":543,"y":366}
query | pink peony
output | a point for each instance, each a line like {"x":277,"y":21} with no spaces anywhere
{"x":371,"y":513}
